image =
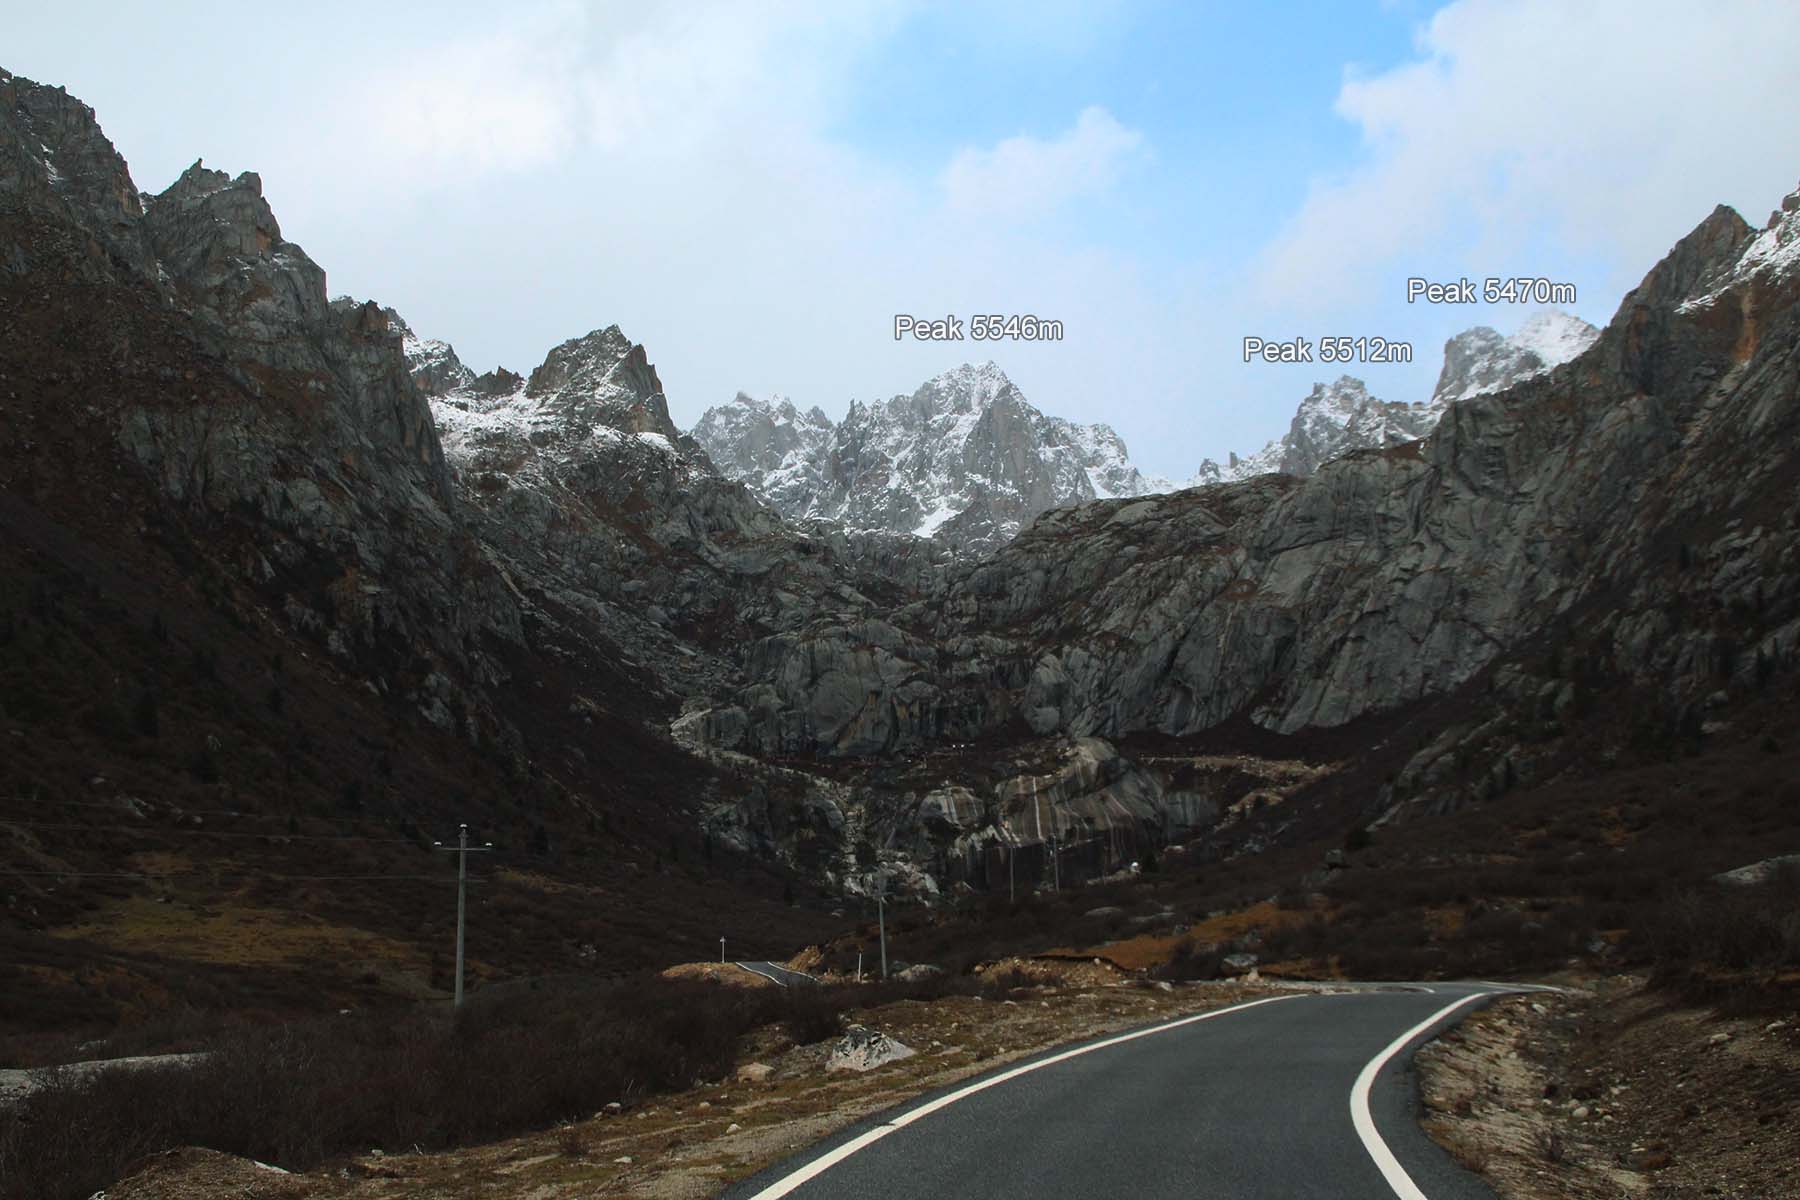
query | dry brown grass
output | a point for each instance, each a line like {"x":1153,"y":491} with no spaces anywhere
{"x":1148,"y":951}
{"x":240,"y":935}
{"x":726,"y":973}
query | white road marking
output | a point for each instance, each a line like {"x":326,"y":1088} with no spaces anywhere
{"x":825,"y":1162}
{"x":1390,"y":1167}
{"x":763,"y":974}
{"x":1522,"y":987}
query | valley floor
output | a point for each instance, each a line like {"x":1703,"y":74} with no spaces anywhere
{"x":1607,"y":1091}
{"x":694,"y":1144}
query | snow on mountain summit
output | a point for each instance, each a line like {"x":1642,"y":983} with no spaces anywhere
{"x":1481,"y":360}
{"x":1338,"y":418}
{"x":964,"y":458}
{"x":1334,"y":419}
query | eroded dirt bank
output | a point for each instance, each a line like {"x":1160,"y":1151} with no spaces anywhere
{"x":1617,"y":1091}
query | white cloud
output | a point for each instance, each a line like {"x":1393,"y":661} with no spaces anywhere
{"x":501,"y":101}
{"x":514,"y":181}
{"x":1610,"y":127}
{"x":548,"y":82}
{"x":1026,"y":175}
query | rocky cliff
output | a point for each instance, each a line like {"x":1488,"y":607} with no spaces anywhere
{"x":967,"y":461}
{"x":548,"y":577}
{"x":1552,"y":508}
{"x":228,"y":504}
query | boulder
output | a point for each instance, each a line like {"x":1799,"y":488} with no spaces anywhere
{"x":862,"y":1049}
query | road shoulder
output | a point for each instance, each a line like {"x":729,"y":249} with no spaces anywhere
{"x":1617,"y":1092}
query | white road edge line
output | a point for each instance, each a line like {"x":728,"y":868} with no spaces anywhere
{"x":1390,"y":1167}
{"x":825,"y":1162}
{"x":760,"y":974}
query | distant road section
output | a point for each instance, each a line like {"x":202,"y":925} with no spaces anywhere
{"x":780,"y":974}
{"x":16,"y":1084}
{"x":1302,"y":1097}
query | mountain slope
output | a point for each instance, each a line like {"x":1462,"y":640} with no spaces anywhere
{"x":1480,"y":360}
{"x":276,"y":563}
{"x":1396,"y":575}
{"x":255,"y":655}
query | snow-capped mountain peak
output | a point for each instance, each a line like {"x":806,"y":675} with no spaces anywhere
{"x":1342,"y":416}
{"x":1771,"y":258}
{"x":1481,"y":360}
{"x":1333,"y":419}
{"x":964,"y":458}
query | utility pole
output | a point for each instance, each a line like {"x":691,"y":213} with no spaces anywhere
{"x":462,"y":850}
{"x":859,"y":966}
{"x":721,"y":950}
{"x":881,"y":921}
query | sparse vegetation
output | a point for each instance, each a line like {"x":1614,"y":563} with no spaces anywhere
{"x":522,"y":1057}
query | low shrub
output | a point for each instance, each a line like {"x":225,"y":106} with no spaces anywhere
{"x":1712,"y":941}
{"x":514,"y":1059}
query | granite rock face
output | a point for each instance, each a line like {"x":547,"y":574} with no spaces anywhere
{"x":303,"y":444}
{"x":884,"y":709}
{"x":1387,"y":577}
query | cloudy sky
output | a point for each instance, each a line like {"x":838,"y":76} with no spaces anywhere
{"x":754,"y":190}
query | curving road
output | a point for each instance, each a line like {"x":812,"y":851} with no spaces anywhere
{"x":785,"y":976}
{"x":1301,"y":1097}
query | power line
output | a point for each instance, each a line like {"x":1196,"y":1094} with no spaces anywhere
{"x":257,"y":875}
{"x":179,"y":810}
{"x":227,"y":833}
{"x":126,"y":802}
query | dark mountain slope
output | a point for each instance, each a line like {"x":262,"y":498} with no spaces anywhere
{"x":234,"y":578}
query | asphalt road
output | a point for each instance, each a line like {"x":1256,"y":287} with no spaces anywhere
{"x":1251,"y":1103}
{"x":779,"y":974}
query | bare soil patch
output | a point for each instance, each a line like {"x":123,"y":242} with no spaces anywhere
{"x":1618,"y":1092}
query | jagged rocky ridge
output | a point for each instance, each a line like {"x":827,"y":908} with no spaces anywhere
{"x":452,"y":540}
{"x":1339,"y":418}
{"x":965,"y":459}
{"x":1390,"y":576}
